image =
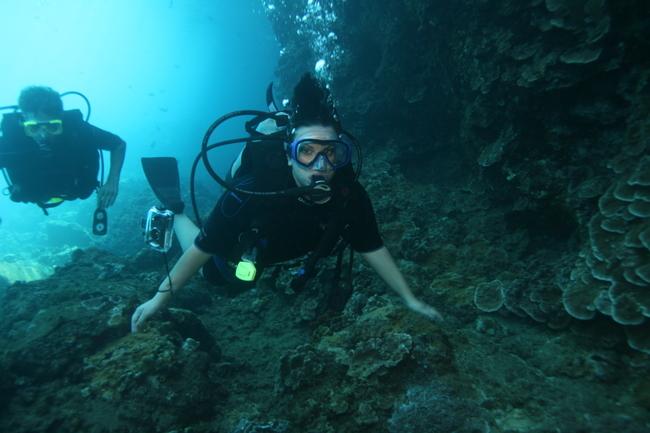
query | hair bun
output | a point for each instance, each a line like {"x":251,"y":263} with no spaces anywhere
{"x":312,"y":104}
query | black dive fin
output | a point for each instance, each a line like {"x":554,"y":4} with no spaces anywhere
{"x":162,"y":174}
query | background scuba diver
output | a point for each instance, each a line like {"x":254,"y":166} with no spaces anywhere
{"x":289,"y":228}
{"x":51,"y":155}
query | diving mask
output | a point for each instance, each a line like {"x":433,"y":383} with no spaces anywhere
{"x":322,"y":155}
{"x":52,"y":127}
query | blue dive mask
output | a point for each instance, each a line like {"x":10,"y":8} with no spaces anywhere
{"x":322,"y":155}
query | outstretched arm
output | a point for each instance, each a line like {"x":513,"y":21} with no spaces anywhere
{"x":191,"y":260}
{"x":382,"y":262}
{"x":108,"y":192}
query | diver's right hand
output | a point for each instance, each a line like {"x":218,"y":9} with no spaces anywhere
{"x":146,"y":310}
{"x":425,"y":309}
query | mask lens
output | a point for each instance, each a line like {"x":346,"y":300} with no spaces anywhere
{"x":336,"y":152}
{"x":31,"y":128}
{"x":306,"y":152}
{"x":52,"y":127}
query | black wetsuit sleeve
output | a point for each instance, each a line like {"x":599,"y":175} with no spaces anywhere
{"x":221,"y":231}
{"x":104,"y":140}
{"x":363,"y":233}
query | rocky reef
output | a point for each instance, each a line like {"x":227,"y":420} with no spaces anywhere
{"x":268,"y":361}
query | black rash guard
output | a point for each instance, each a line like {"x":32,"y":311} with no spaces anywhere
{"x":289,"y":228}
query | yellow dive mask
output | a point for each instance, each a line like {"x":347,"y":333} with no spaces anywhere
{"x":33,"y":128}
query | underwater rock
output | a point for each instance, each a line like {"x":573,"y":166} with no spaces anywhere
{"x":343,"y":370}
{"x":70,"y":334}
{"x":192,"y":330}
{"x":153,"y":370}
{"x":300,"y":367}
{"x":246,"y":426}
{"x":369,"y":347}
{"x":493,"y":152}
{"x":435,"y":408}
{"x":376,"y":355}
{"x":7,"y":386}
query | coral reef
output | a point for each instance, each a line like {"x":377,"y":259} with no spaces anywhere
{"x":252,"y":364}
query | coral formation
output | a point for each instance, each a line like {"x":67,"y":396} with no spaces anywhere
{"x":611,"y":276}
{"x":489,"y":297}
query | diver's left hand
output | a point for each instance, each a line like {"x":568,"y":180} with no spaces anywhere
{"x":424,"y":309}
{"x":107,"y":194}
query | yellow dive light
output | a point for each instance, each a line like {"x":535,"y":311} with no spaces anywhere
{"x":246,"y":270}
{"x":55,"y":200}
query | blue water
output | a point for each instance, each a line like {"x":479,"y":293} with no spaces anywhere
{"x":156,"y":72}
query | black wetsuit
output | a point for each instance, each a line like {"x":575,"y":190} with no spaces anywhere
{"x":66,"y":167}
{"x":289,"y":229}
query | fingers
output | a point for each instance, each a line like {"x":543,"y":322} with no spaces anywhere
{"x":110,"y":199}
{"x":431,"y":313}
{"x":435,"y":315}
{"x":106,"y":197}
{"x":101,"y":198}
{"x":135,"y":319}
{"x":427,"y":310}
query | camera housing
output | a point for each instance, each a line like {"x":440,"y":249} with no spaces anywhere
{"x":159,"y":229}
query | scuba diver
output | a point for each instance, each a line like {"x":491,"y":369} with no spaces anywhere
{"x":321,"y":205}
{"x":49,"y":155}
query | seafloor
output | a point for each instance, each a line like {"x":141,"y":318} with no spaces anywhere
{"x":507,"y":154}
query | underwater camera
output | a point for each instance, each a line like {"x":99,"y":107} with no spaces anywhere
{"x":158,"y":229}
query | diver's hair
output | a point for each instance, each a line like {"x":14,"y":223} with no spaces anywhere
{"x":40,"y":100}
{"x":312,"y":104}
